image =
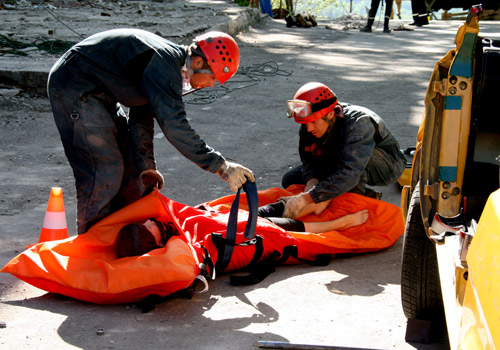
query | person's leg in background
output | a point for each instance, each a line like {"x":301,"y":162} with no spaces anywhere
{"x":388,"y":12}
{"x":398,"y":4}
{"x":266,"y":7}
{"x":371,"y":16}
{"x":419,"y":11}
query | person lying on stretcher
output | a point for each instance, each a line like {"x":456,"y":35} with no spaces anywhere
{"x":136,"y":239}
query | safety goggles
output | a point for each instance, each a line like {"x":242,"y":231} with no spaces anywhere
{"x":298,"y":109}
{"x":305,"y":112}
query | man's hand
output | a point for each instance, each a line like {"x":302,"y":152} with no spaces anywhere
{"x":313,"y":208}
{"x":235,"y":175}
{"x":310,"y":184}
{"x":152,"y":178}
{"x":295,"y":204}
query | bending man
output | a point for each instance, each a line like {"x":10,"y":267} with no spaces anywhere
{"x":111,"y":154}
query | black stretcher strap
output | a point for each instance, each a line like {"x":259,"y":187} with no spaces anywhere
{"x":253,"y":206}
{"x":264,"y":268}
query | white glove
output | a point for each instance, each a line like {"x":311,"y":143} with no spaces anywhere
{"x":152,"y":178}
{"x":235,"y":175}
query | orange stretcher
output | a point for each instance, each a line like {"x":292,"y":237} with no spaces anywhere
{"x":85,"y":267}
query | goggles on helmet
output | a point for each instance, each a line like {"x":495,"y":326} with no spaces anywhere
{"x":305,"y":112}
{"x":298,"y":109}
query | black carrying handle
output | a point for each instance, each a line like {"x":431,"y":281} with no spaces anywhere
{"x":253,"y":207}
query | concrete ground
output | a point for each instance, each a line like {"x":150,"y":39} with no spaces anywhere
{"x":353,"y":302}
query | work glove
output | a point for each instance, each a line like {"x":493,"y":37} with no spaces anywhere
{"x":235,"y":175}
{"x":152,"y":178}
{"x":295,"y":204}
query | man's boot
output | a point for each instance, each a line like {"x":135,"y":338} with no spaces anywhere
{"x":368,"y":27}
{"x":372,"y":193}
{"x":386,"y":25}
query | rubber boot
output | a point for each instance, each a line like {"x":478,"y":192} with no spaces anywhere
{"x":386,"y":26}
{"x":368,"y":27}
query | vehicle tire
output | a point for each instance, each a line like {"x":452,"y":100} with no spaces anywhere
{"x":420,"y":287}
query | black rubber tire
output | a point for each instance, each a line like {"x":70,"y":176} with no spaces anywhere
{"x":420,"y":287}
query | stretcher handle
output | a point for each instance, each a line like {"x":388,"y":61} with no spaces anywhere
{"x":253,"y":208}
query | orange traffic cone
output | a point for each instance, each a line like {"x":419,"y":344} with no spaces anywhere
{"x":54,"y":224}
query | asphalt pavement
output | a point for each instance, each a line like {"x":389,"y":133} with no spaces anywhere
{"x":352,"y":303}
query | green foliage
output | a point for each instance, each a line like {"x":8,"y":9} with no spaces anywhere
{"x":242,"y":2}
{"x":314,"y":7}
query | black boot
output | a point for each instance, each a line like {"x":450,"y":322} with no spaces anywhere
{"x":386,"y":26}
{"x":368,"y":27}
{"x":290,"y":20}
{"x":372,"y":193}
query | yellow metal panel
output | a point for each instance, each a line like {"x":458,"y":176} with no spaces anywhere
{"x":405,"y":179}
{"x":483,"y":260}
{"x":405,"y":200}
{"x":450,"y":138}
{"x":454,"y":143}
{"x":447,"y":256}
{"x":456,"y":121}
{"x":474,"y":332}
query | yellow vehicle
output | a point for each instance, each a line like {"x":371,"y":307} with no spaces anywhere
{"x":451,"y":253}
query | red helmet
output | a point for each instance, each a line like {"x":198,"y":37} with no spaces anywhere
{"x":222,"y":53}
{"x":311,"y":102}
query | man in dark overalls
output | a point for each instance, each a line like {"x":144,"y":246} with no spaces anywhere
{"x":111,"y":153}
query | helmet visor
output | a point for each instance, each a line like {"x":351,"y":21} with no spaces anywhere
{"x":298,"y":109}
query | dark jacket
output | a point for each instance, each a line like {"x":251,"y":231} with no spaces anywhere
{"x":339,"y":158}
{"x":141,"y":70}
